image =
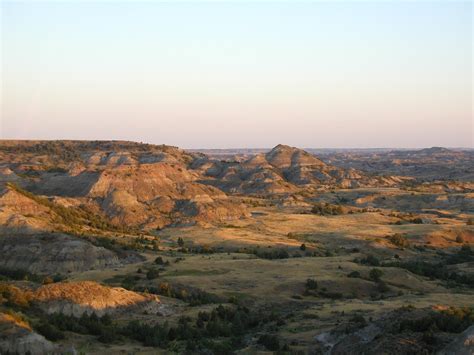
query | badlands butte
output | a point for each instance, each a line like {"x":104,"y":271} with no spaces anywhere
{"x":119,"y":247}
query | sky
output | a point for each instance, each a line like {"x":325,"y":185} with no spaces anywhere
{"x":221,"y":74}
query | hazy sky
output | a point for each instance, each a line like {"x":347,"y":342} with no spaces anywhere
{"x":239,"y":74}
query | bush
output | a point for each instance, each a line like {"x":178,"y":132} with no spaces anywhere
{"x":324,"y":209}
{"x":382,"y":287}
{"x":354,"y":274}
{"x":303,"y":247}
{"x":453,"y":320}
{"x":311,"y":284}
{"x":270,"y":342}
{"x":50,"y":332}
{"x":159,"y":261}
{"x":371,"y":260}
{"x":375,"y":274}
{"x":459,"y":239}
{"x":399,"y":240}
{"x":152,"y":274}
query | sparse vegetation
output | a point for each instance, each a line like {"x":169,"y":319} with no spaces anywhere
{"x":399,"y":240}
{"x":326,"y":209}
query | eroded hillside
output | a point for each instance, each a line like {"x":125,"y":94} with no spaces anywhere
{"x":122,"y":247}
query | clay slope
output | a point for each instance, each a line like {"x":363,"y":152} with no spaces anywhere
{"x":286,"y":169}
{"x":76,"y":298}
{"x":20,"y":214}
{"x":55,"y":253}
{"x":128,"y":184}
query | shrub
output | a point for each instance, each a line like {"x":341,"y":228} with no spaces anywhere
{"x":270,"y":342}
{"x":324,"y":209}
{"x":399,"y":240}
{"x":311,"y":284}
{"x":303,"y":247}
{"x":382,"y":286}
{"x":375,"y":274}
{"x":459,"y":239}
{"x":152,"y":274}
{"x":159,"y":261}
{"x":50,"y":332}
{"x":370,"y":260}
{"x":354,"y":274}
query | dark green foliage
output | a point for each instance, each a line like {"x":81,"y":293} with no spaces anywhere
{"x":354,"y":274}
{"x":272,"y":254}
{"x":311,"y":284}
{"x":382,"y":286}
{"x":303,"y":247}
{"x":54,"y":325}
{"x":359,"y":319}
{"x":270,"y":342}
{"x":50,"y":332}
{"x":193,"y":296}
{"x":370,"y":260}
{"x":152,"y":274}
{"x":324,"y":209}
{"x":440,"y":270}
{"x":228,"y":324}
{"x":453,"y":320}
{"x":180,"y":242}
{"x":17,"y":274}
{"x":159,"y":261}
{"x":375,"y":274}
{"x":331,"y":295}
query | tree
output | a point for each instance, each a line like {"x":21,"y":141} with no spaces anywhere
{"x":459,"y":239}
{"x":375,"y":274}
{"x":180,"y":242}
{"x":354,"y":274}
{"x":303,"y":247}
{"x":152,"y":274}
{"x":311,"y":284}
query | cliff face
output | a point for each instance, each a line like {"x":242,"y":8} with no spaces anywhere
{"x":53,"y":253}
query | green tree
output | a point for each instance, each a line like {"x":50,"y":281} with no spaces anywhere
{"x":375,"y":274}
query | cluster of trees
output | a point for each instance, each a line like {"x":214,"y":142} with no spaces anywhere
{"x":221,"y":330}
{"x":229,"y":324}
{"x":369,"y":260}
{"x":399,"y":240}
{"x":324,"y":209}
{"x":439,"y":270}
{"x":192,"y":295}
{"x":452,"y":320}
{"x":271,"y":253}
{"x":17,"y":274}
{"x":52,"y":327}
